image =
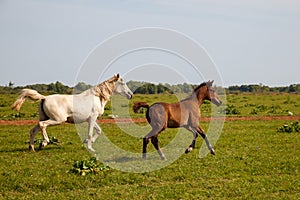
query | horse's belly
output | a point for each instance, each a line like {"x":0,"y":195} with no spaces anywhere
{"x":173,"y":124}
{"x":78,"y":117}
{"x":76,"y":120}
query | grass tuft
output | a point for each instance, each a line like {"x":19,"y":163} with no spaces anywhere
{"x":91,"y":166}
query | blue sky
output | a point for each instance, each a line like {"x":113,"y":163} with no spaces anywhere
{"x":250,"y":42}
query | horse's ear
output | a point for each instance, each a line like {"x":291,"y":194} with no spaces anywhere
{"x":117,"y":76}
{"x":210,"y":83}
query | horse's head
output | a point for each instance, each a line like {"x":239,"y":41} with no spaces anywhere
{"x":212,"y":94}
{"x":121,"y":87}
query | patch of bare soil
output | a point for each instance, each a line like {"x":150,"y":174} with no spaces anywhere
{"x":139,"y":120}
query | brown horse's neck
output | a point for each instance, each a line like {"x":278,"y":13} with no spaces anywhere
{"x":199,"y":94}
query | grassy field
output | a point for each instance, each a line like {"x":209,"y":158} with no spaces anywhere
{"x":237,"y":105}
{"x":253,"y":160}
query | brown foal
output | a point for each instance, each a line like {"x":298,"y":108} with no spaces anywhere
{"x":184,"y":113}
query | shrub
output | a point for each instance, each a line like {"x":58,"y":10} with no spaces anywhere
{"x":289,"y":128}
{"x":230,"y":110}
{"x":91,"y":166}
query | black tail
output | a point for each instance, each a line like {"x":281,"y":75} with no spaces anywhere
{"x":137,"y":105}
{"x":42,"y":115}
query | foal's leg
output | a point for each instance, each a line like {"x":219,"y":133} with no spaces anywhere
{"x":33,"y":132}
{"x":192,"y":146}
{"x":154,"y":141}
{"x":203,"y":135}
{"x":145,"y":144}
{"x":149,"y":137}
{"x":43,"y":125}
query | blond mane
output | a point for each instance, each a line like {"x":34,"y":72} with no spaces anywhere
{"x":105,"y":89}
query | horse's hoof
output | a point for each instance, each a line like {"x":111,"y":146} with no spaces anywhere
{"x":85,"y":141}
{"x":188,"y":150}
{"x":163,"y":158}
{"x":212,"y":152}
{"x":91,"y":149}
{"x":41,"y":146}
{"x":31,"y":148}
{"x":144,"y":156}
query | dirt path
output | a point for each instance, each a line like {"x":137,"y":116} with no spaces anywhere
{"x":138,"y":120}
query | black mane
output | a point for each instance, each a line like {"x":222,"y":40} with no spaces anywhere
{"x":195,"y":90}
{"x":199,"y":86}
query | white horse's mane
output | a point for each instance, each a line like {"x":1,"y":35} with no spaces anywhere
{"x":103,"y":90}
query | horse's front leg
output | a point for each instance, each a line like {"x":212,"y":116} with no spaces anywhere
{"x":98,"y":132}
{"x":91,"y":126}
{"x":192,"y":146}
{"x":203,"y":135}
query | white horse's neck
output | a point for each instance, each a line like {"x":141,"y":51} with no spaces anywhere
{"x":104,"y":91}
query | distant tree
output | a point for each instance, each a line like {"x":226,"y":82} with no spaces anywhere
{"x":160,"y":88}
{"x":80,"y":87}
{"x":187,"y":88}
{"x":141,"y":90}
{"x":292,"y":88}
{"x":297,"y":88}
{"x":151,"y":88}
{"x":134,"y":85}
{"x":11,"y":84}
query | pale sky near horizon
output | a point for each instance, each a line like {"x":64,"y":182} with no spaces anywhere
{"x":250,"y":42}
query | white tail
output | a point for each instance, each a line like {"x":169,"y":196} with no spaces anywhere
{"x":26,"y":93}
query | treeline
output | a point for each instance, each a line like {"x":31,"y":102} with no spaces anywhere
{"x":52,"y":88}
{"x":148,"y":88}
{"x":293,"y":88}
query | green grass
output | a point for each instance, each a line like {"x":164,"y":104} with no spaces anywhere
{"x":265,"y":104}
{"x":253,"y":161}
{"x":237,"y":105}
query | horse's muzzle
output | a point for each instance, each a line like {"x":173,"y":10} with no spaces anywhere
{"x":129,"y":96}
{"x":217,"y":102}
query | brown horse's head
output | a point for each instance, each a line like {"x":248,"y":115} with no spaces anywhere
{"x":212,"y":94}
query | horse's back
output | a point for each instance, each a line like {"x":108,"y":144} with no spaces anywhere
{"x":164,"y":114}
{"x":61,"y":101}
{"x":58,"y":107}
{"x":173,"y":115}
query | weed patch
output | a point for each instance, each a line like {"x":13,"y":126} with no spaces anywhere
{"x":289,"y":128}
{"x":91,"y":166}
{"x":230,"y":110}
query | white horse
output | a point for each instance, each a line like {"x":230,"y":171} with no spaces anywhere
{"x":85,"y":107}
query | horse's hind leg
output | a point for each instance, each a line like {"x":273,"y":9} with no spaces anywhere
{"x":154,"y":141}
{"x":33,"y":132}
{"x":203,"y":135}
{"x":145,"y":144}
{"x":149,"y":137}
{"x":43,"y":125}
